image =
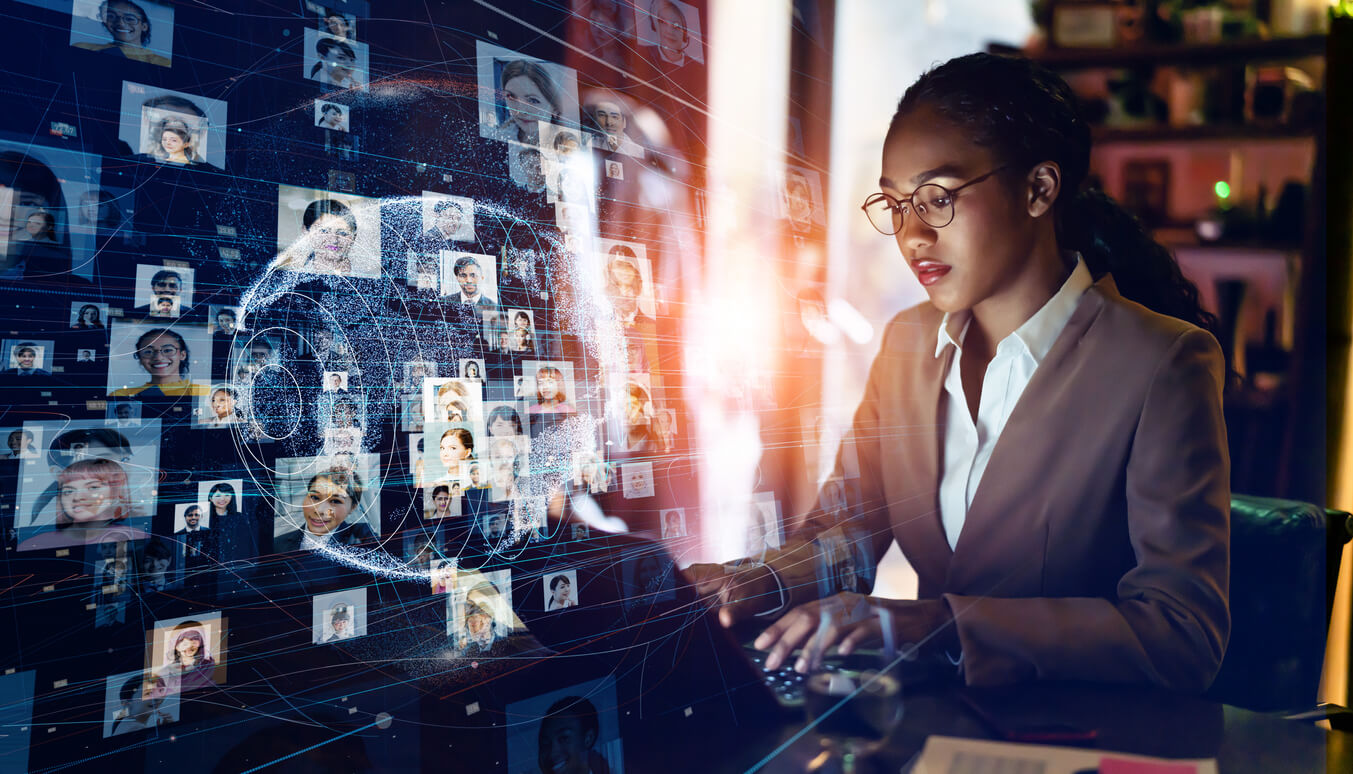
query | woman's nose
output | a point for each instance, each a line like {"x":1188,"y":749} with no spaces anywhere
{"x":915,"y":235}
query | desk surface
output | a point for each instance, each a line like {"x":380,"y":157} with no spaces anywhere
{"x":1142,"y":721}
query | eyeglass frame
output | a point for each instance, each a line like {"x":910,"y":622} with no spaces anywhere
{"x":910,"y":199}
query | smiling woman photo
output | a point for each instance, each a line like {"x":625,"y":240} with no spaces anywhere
{"x":92,"y":504}
{"x":163,"y":354}
{"x":330,"y":513}
{"x":128,"y":24}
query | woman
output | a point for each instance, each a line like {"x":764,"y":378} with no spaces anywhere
{"x":222,"y":408}
{"x":522,"y":338}
{"x":331,"y":499}
{"x":337,"y":65}
{"x":223,"y":503}
{"x":174,"y":143}
{"x":504,"y":421}
{"x":163,"y":355}
{"x":129,"y":26}
{"x":1117,"y":573}
{"x":441,"y":502}
{"x":471,"y":371}
{"x":187,"y":660}
{"x":40,"y":226}
{"x":326,"y":246}
{"x":93,"y":503}
{"x":639,"y":437}
{"x":331,"y":117}
{"x":550,"y":397}
{"x":457,"y":445}
{"x":530,"y":96}
{"x":90,"y":318}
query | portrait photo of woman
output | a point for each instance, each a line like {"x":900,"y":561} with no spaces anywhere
{"x":188,"y":662}
{"x":93,"y":503}
{"x":331,"y":511}
{"x":88,"y":317}
{"x":331,"y":116}
{"x":220,"y":409}
{"x":334,"y":62}
{"x":140,"y":31}
{"x":551,"y":395}
{"x":163,"y":355}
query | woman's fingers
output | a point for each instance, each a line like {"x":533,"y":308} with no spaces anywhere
{"x":867,"y":633}
{"x":787,"y":634}
{"x":826,"y":635}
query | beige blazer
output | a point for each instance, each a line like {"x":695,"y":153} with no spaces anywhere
{"x":1097,"y":546}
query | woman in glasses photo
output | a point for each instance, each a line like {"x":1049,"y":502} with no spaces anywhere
{"x":163,"y":354}
{"x":1068,"y":515}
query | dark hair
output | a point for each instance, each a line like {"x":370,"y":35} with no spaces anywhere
{"x":80,"y":318}
{"x":506,"y":413}
{"x":325,"y":45}
{"x":558,"y":579}
{"x":103,"y":14}
{"x":321,"y":207}
{"x":59,"y":453}
{"x":577,"y":708}
{"x":465,"y":437}
{"x":330,"y":108}
{"x":441,"y":488}
{"x":157,"y":332}
{"x":190,"y":509}
{"x":222,"y":486}
{"x":347,"y":479}
{"x":133,"y":685}
{"x":465,"y":261}
{"x":538,"y":75}
{"x":165,"y":274}
{"x":25,"y":173}
{"x":1026,"y":114}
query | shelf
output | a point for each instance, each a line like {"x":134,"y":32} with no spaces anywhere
{"x":1237,"y":51}
{"x":1203,"y":133}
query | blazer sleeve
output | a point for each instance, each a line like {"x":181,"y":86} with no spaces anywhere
{"x":796,"y":564}
{"x":1170,"y":621}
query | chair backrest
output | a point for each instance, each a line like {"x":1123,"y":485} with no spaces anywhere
{"x":1284,"y":565}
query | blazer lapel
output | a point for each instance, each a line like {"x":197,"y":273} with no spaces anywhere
{"x":916,"y":514}
{"x":1026,"y":433}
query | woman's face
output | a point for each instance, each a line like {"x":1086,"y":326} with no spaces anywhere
{"x":90,"y":315}
{"x":635,"y":413}
{"x":526,"y":104}
{"x":338,"y":64}
{"x":187,"y":649}
{"x":124,"y":23}
{"x":561,"y":591}
{"x":222,"y":403}
{"x":453,"y":451}
{"x":442,"y":501}
{"x":522,"y":322}
{"x":336,"y":25}
{"x":986,"y":245}
{"x":35,"y":224}
{"x":171,"y":141}
{"x":221,"y":500}
{"x":162,"y":357}
{"x":157,"y":565}
{"x":87,"y":500}
{"x":326,"y":506}
{"x":333,"y":239}
{"x":671,"y":28}
{"x":547,"y":386}
{"x":501,"y":426}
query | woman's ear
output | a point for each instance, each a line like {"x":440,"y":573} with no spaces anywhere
{"x":1045,"y":184}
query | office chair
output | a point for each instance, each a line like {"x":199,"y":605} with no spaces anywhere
{"x":1284,"y":566}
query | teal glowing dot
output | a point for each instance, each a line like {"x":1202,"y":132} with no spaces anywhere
{"x":1223,"y":189}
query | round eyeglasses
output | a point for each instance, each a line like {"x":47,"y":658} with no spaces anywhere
{"x":932,"y":203}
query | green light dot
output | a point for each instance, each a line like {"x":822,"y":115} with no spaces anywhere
{"x":1223,"y":189}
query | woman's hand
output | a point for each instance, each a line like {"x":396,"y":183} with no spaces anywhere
{"x":850,"y":621}
{"x":740,"y":593}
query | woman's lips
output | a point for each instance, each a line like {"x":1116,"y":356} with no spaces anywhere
{"x":930,"y":272}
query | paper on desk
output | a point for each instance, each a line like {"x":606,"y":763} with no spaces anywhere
{"x":949,"y":755}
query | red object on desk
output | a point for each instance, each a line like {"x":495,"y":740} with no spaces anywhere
{"x":1125,"y":766}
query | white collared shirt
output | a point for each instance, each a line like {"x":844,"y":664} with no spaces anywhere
{"x":968,"y":447}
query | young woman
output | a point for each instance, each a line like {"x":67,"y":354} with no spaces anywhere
{"x":331,"y":499}
{"x":223,"y":503}
{"x":326,"y":247}
{"x":187,"y":660}
{"x":456,"y":446}
{"x":1083,"y":533}
{"x":92,"y":504}
{"x":530,"y":96}
{"x":336,"y":65}
{"x":222,"y":408}
{"x":163,"y":354}
{"x":504,"y":421}
{"x":550,"y":397}
{"x":441,"y":502}
{"x":88,"y":319}
{"x":174,"y":143}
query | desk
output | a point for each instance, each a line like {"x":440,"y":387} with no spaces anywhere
{"x":1143,"y":721}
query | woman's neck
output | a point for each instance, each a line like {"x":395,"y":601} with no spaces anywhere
{"x":1041,"y":277}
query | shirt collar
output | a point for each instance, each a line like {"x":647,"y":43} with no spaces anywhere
{"x":1039,"y":332}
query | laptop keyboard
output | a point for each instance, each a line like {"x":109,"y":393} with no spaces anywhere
{"x":785,"y":683}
